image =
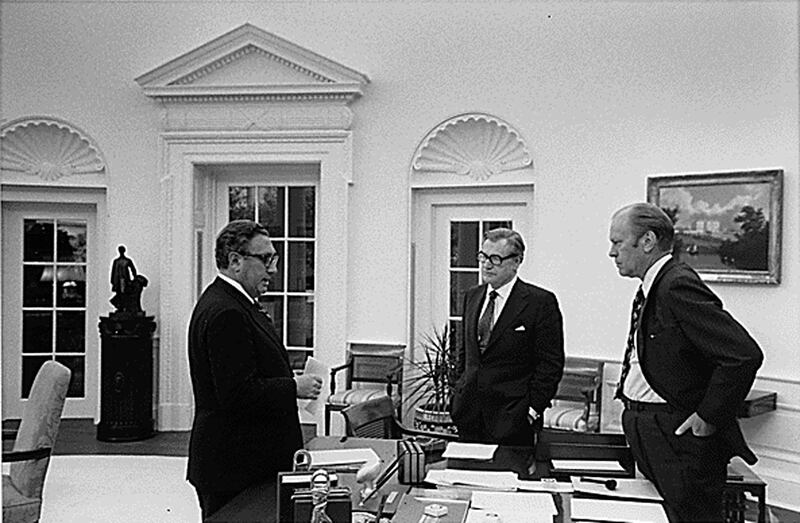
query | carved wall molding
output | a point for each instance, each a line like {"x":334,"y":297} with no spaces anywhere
{"x":241,"y":53}
{"x":48,"y":148}
{"x":256,"y":117}
{"x":476,"y":145}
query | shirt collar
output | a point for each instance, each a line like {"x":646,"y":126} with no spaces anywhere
{"x":651,"y":273}
{"x":504,"y":290}
{"x":236,"y":285}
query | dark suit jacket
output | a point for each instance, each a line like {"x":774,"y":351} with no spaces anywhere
{"x":246,"y":426}
{"x":520,"y":368}
{"x":694,"y":354}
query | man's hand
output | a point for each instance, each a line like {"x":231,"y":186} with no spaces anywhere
{"x":308,"y":386}
{"x":699,"y":426}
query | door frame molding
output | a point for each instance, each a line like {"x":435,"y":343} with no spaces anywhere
{"x":186,"y":212}
{"x":71,"y":195}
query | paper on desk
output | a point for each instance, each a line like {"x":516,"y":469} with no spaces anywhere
{"x":325,"y":458}
{"x":588,"y":464}
{"x":317,"y":368}
{"x":626,"y":488}
{"x":469,"y":451}
{"x":490,"y":479}
{"x":615,"y":510}
{"x":513,"y":507}
{"x":545,"y":486}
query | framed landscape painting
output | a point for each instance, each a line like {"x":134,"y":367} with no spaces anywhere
{"x":727,"y":225}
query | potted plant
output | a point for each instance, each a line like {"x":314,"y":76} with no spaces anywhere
{"x":431,"y":381}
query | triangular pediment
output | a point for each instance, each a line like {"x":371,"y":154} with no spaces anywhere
{"x":249,"y":62}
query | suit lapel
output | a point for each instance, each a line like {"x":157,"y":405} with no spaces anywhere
{"x":471,"y":312}
{"x":646,"y":309}
{"x":515,"y":303}
{"x":258,"y":317}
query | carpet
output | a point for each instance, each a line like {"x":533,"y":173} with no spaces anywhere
{"x":120,"y":489}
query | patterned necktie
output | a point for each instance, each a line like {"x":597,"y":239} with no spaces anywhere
{"x":626,"y":363}
{"x":486,"y":322}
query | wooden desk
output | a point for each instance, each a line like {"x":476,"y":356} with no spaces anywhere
{"x":259,"y":504}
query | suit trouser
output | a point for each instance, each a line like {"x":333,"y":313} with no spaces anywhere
{"x":688,"y":471}
{"x":210,"y":502}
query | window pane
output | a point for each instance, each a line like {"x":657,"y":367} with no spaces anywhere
{"x":300,"y":326}
{"x":30,"y":366}
{"x":301,"y":212}
{"x":274,"y":307}
{"x":276,"y":284}
{"x":38,"y":240}
{"x":70,"y":331}
{"x":301,"y":266}
{"x":241,"y":203}
{"x":78,"y":379}
{"x":460,"y":282}
{"x":37,"y":331}
{"x":71,"y":246}
{"x":463,"y":244}
{"x":488,"y":226}
{"x":71,"y":281}
{"x":37,"y":286}
{"x":271,"y":210}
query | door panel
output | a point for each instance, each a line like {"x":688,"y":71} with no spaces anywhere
{"x":49,"y":303}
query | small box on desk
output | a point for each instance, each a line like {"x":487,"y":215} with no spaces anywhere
{"x":757,"y":402}
{"x":411,"y":462}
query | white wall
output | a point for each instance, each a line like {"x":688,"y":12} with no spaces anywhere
{"x":604,"y":94}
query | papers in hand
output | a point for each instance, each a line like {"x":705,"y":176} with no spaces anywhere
{"x":328,"y":458}
{"x":588,"y":464}
{"x":317,"y":368}
{"x":457,"y":450}
{"x":492,"y":480}
{"x":626,"y":488}
{"x":616,"y":510}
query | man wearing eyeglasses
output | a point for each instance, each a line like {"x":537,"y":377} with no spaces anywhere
{"x":246,"y":427}
{"x":512,"y":355}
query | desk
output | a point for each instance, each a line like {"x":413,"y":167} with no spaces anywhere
{"x":259,"y":503}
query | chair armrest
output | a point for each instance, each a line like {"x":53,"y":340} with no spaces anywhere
{"x":27,"y":455}
{"x":334,"y":370}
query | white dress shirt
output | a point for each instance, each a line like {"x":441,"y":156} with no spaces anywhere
{"x":236,"y":285}
{"x":636,"y":387}
{"x":500,"y":300}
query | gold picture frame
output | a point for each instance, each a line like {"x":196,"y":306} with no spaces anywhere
{"x":727,"y":225}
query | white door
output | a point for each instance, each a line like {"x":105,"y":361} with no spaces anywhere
{"x":447,"y":234}
{"x":283,"y":198}
{"x":49,"y":302}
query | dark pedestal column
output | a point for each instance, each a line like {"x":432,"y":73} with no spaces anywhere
{"x":126,"y":377}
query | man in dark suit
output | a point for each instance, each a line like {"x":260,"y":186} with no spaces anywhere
{"x":246,"y":427}
{"x":512,"y":355}
{"x":688,"y":367}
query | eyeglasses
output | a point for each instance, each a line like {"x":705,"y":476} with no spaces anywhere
{"x":267,"y":259}
{"x":493,"y":259}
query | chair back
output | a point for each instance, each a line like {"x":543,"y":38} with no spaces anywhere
{"x":38,"y":428}
{"x":372,"y":363}
{"x":371,"y":419}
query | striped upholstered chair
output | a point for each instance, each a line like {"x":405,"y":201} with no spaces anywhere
{"x":371,"y":371}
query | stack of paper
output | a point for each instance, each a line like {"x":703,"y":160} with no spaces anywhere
{"x":626,"y":488}
{"x":616,"y":510}
{"x":513,"y":507}
{"x":490,"y":479}
{"x":328,"y":458}
{"x":469,"y":451}
{"x":587,"y":464}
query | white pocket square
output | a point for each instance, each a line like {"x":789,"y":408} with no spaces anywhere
{"x":521,"y":328}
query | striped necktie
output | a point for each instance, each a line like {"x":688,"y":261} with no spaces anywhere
{"x":636,"y":310}
{"x":486,"y":322}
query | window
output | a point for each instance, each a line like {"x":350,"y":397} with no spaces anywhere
{"x":54,"y":299}
{"x":289,"y":214}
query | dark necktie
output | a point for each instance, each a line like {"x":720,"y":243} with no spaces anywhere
{"x":626,"y":362}
{"x":486,"y":322}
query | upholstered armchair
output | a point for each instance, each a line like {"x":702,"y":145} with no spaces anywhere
{"x":30,"y":457}
{"x":371,"y":371}
{"x":576,"y":405}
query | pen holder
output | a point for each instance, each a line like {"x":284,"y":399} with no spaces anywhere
{"x":411,"y":464}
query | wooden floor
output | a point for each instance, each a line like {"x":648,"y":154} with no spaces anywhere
{"x":79,"y":436}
